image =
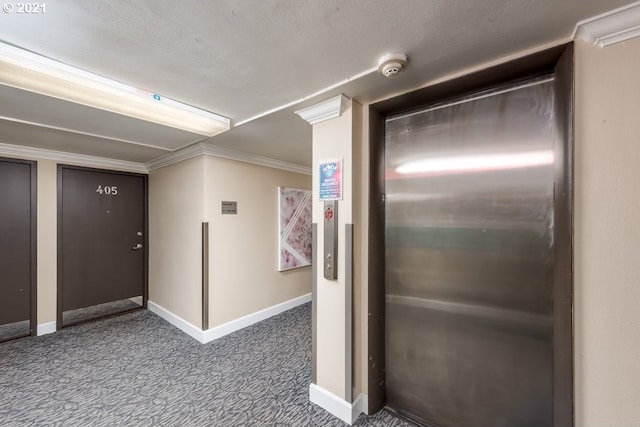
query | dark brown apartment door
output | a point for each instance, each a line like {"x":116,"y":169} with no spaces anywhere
{"x":17,"y":248}
{"x":101,"y":244}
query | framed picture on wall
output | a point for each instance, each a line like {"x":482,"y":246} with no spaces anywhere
{"x":294,"y":228}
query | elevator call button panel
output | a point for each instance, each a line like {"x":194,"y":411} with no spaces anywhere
{"x":330,"y":240}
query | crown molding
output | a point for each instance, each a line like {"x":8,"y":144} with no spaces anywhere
{"x":195,"y":150}
{"x":612,"y":27}
{"x":325,"y":110}
{"x":225,"y":153}
{"x":179,"y":155}
{"x":65,"y":157}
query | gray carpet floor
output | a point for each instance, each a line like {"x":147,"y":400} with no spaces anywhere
{"x":138,"y":370}
{"x":71,"y":317}
{"x":14,"y":330}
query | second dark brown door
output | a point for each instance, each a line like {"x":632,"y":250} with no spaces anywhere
{"x":17,"y":248}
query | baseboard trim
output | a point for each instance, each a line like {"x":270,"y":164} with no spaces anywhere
{"x":361,"y":405}
{"x":237,"y":324}
{"x":46,"y":328}
{"x":229,"y":327}
{"x":177,"y":321}
{"x":336,"y":406}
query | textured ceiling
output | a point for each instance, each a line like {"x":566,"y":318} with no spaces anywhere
{"x":240,"y":58}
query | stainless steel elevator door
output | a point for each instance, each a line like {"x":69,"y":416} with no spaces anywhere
{"x":469,"y":260}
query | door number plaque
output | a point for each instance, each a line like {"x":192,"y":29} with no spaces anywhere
{"x":108,"y":190}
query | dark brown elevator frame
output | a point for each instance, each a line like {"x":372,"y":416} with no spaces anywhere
{"x":559,"y":61}
{"x":145,"y":287}
{"x":33,"y":305}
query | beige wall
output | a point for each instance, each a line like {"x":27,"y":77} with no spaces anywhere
{"x":607,"y":230}
{"x":176,"y":213}
{"x":244,"y":247}
{"x":47,"y":241}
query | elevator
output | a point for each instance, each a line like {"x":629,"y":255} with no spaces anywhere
{"x":470,"y":314}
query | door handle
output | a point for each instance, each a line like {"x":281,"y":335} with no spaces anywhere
{"x":136,"y":247}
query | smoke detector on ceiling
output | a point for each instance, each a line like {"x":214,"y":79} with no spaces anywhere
{"x":392,"y":64}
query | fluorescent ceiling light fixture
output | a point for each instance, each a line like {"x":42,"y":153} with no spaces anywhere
{"x":477,"y":163}
{"x":34,"y":73}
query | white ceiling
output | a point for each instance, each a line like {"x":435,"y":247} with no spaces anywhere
{"x":242,"y":58}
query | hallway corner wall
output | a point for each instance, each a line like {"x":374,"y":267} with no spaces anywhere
{"x":176,"y":211}
{"x":243,"y":248}
{"x":607,"y":208}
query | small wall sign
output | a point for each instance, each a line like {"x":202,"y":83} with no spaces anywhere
{"x":229,"y":208}
{"x":330,"y":175}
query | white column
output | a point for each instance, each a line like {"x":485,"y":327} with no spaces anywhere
{"x":336,"y":135}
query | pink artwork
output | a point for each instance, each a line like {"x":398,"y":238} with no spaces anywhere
{"x":294,"y":245}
